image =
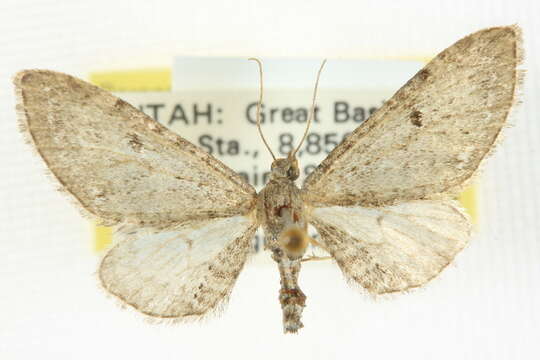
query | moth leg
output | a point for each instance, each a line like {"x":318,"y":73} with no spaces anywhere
{"x":316,"y":243}
{"x":314,"y":257}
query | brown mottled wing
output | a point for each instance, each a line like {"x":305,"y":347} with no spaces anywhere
{"x":120,"y":165}
{"x":431,"y":136}
{"x":179,"y":273}
{"x":393,"y":248}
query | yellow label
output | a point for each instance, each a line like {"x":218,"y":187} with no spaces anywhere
{"x":468,"y":201}
{"x":133,"y":80}
{"x":102,"y":237}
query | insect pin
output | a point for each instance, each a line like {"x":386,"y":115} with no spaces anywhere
{"x":382,"y":201}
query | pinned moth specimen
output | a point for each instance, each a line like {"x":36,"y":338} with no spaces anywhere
{"x":382,"y":201}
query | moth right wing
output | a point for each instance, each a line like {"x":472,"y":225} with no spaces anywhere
{"x":430,"y":137}
{"x":392,"y":248}
{"x":119,"y":164}
{"x":180,"y":273}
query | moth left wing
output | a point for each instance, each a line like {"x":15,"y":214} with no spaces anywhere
{"x":117,"y":163}
{"x":392,"y":248}
{"x":178,"y":273}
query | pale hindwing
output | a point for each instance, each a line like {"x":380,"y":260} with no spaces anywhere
{"x":178,"y":273}
{"x":118,"y":163}
{"x":393,"y":248}
{"x":431,"y":136}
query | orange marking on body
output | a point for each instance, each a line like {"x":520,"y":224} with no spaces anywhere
{"x":277,"y":210}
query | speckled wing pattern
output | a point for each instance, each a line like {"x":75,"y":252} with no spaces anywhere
{"x":185,"y":220}
{"x":181,"y":273}
{"x":393,"y":248}
{"x":431,"y":136}
{"x":391,"y":177}
{"x":119,"y":164}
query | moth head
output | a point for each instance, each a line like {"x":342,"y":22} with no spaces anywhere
{"x":286,"y":168}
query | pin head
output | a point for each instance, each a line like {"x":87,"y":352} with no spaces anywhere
{"x":294,"y":242}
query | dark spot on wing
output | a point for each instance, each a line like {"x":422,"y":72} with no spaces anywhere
{"x":423,"y":74}
{"x":120,"y":104}
{"x":416,"y":118}
{"x":134,"y":142}
{"x":73,"y":84}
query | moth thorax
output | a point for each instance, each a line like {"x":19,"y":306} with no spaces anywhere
{"x":294,"y":241}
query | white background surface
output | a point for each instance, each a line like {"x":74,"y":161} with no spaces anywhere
{"x":485,"y":307}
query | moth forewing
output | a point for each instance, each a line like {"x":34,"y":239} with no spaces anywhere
{"x":428,"y":140}
{"x":134,"y":169}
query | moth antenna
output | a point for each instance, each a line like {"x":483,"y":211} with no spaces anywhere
{"x":259,"y":103}
{"x":312,"y":110}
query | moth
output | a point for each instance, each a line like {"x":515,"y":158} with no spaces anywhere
{"x":382,"y":201}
